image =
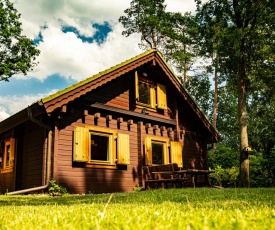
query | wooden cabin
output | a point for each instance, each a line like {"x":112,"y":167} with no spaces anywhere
{"x":95,"y":136}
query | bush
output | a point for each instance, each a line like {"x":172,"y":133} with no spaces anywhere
{"x":55,"y":189}
{"x":225,"y":177}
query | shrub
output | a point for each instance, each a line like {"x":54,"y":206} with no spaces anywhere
{"x":225,"y":177}
{"x":55,"y":189}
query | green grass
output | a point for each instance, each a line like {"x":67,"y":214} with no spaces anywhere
{"x":200,"y":208}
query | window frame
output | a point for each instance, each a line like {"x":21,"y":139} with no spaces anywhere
{"x":118,"y":147}
{"x":158,"y":96}
{"x":148,"y":149}
{"x":152,"y":104}
{"x":111,"y":146}
{"x":173,"y":150}
{"x":4,"y":167}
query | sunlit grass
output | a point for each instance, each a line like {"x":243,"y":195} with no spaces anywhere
{"x":200,"y":208}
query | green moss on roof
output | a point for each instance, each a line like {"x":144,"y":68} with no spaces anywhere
{"x":94,"y":77}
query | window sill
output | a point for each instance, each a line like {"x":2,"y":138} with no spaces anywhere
{"x":98,"y":165}
{"x":147,"y":107}
{"x":6,"y":170}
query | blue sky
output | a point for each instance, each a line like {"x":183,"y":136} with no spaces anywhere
{"x":77,"y":39}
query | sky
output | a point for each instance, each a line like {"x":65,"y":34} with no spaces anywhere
{"x":77,"y":39}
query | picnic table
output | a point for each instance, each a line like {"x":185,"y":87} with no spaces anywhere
{"x":194,"y":175}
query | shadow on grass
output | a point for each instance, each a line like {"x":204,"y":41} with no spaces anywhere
{"x":199,"y":196}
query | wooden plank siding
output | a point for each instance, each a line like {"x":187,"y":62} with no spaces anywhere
{"x":7,"y":181}
{"x":78,"y":178}
{"x":32,"y":156}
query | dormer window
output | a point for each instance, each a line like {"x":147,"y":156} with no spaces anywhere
{"x":150,"y":94}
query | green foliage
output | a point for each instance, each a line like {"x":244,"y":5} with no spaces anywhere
{"x":144,"y":17}
{"x":224,"y":157}
{"x":138,"y":188}
{"x":200,"y":208}
{"x":17,"y":52}
{"x":199,"y":88}
{"x":225,"y":177}
{"x":55,"y":189}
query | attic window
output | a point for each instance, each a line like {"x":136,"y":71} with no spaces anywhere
{"x":150,"y":94}
{"x":146,"y":93}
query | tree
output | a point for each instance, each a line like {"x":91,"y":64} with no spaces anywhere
{"x":145,"y":17}
{"x":17,"y":52}
{"x":242,"y":39}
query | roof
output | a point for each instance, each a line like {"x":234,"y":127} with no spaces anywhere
{"x":63,"y":96}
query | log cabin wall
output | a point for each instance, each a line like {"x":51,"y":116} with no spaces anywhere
{"x":78,"y":177}
{"x":7,"y":181}
{"x":81,"y":178}
{"x":32,"y":156}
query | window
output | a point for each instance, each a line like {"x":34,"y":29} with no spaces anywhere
{"x":101,"y":146}
{"x":157,"y":151}
{"x":7,"y":159}
{"x":149,"y":94}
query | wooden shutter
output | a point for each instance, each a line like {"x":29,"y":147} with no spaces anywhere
{"x":81,"y":144}
{"x":148,"y":151}
{"x":136,"y":87}
{"x":123,"y":149}
{"x":12,"y":151}
{"x":161,"y":96}
{"x":176,"y":153}
{"x":165,"y":153}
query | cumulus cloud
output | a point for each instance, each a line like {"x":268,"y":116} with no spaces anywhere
{"x":65,"y":53}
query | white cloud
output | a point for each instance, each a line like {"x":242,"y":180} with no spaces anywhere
{"x":67,"y":55}
{"x":3,"y":114}
{"x":12,"y":104}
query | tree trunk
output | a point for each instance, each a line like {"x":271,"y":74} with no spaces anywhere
{"x":215,"y":104}
{"x":242,"y":117}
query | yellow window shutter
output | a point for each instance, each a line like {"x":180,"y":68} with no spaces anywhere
{"x":165,"y":153}
{"x":123,"y":149}
{"x":136,"y":86}
{"x":148,"y":151}
{"x":176,"y":153}
{"x":161,"y":96}
{"x":81,"y":144}
{"x":12,"y":151}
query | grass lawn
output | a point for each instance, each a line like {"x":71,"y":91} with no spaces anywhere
{"x":200,"y":208}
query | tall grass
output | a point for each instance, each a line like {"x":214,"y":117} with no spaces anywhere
{"x":200,"y":208}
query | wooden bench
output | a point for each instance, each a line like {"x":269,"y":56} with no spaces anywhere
{"x":162,"y":175}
